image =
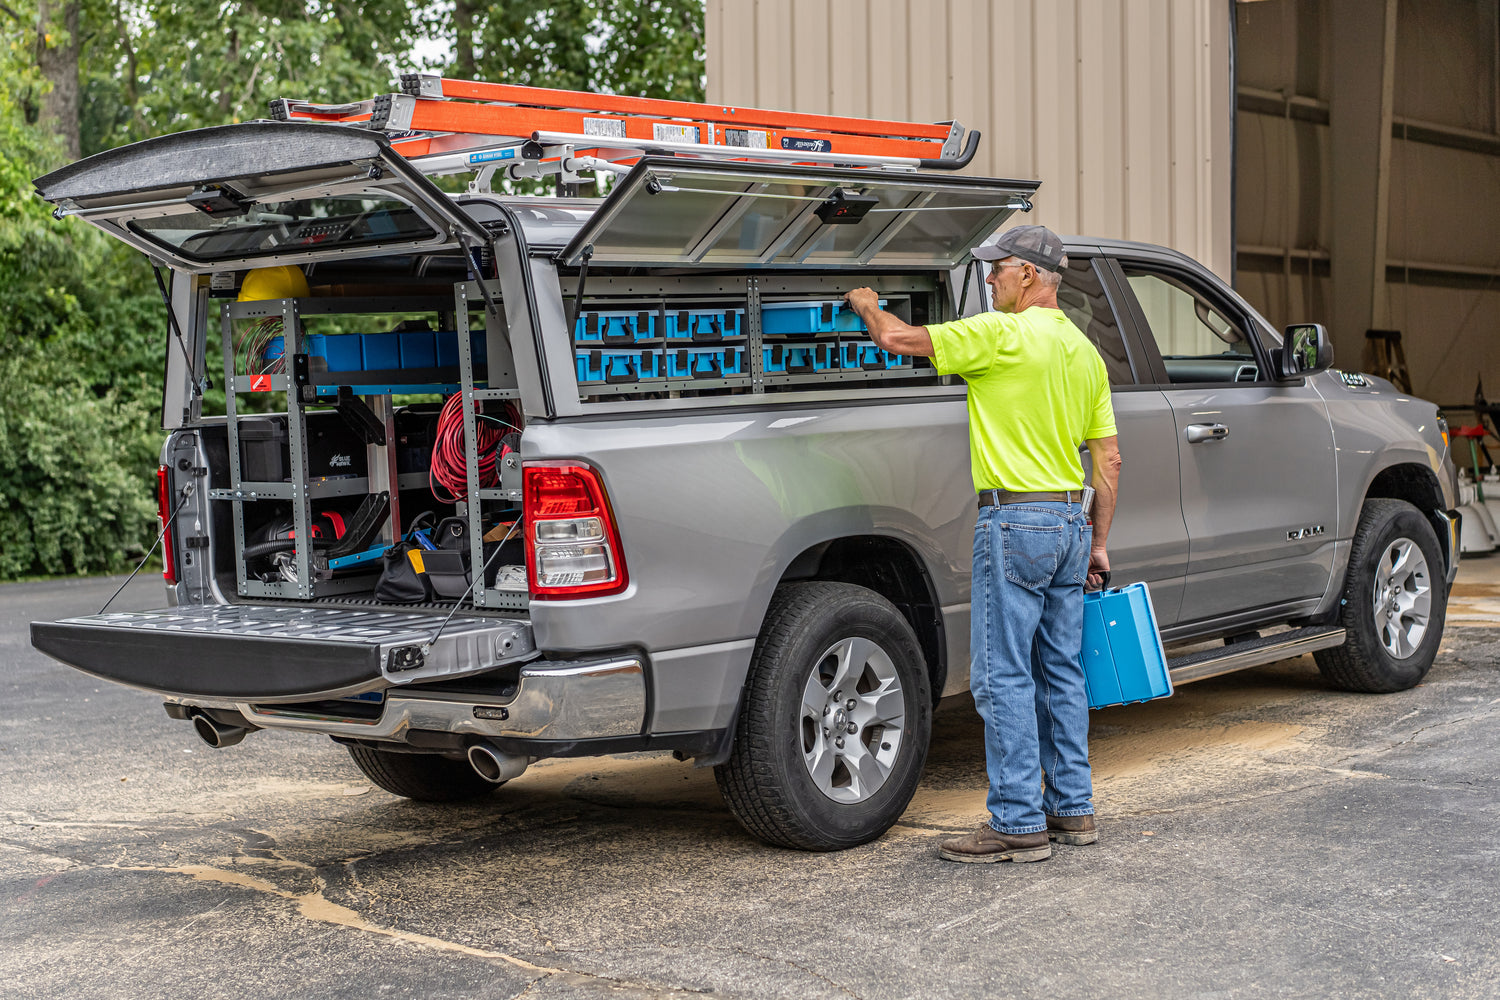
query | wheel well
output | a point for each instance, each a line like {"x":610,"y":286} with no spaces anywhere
{"x":1413,"y":483}
{"x":1418,"y":486}
{"x":893,"y":571}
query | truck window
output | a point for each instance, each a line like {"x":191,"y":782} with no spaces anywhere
{"x":1198,"y":342}
{"x":1083,"y":301}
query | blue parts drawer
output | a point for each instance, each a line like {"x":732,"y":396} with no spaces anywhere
{"x":705,"y":325}
{"x":800,"y":357}
{"x":611,"y":366}
{"x":817,"y":318}
{"x":1123,"y":661}
{"x":618,"y":327}
{"x":863,"y":354}
{"x":724,"y":361}
{"x":799,"y":319}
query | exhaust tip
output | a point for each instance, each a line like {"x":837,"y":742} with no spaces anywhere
{"x":495,"y":766}
{"x":216,"y":735}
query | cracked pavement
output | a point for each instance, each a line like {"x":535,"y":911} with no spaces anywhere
{"x":1263,"y":835}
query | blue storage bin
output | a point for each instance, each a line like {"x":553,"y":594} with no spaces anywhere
{"x":345,"y":352}
{"x":382,"y":351}
{"x":418,"y":349}
{"x":447,"y":347}
{"x":705,"y":325}
{"x":818,"y":318}
{"x":313,"y":345}
{"x":795,"y":358}
{"x":705,"y":362}
{"x":863,"y":354}
{"x":615,"y":366}
{"x":798,"y":319}
{"x":1123,"y":661}
{"x":624,"y":326}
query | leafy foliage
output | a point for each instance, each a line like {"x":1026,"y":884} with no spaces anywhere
{"x":82,"y":328}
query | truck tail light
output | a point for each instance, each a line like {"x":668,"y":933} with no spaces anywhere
{"x":163,"y":516}
{"x":572,"y":542}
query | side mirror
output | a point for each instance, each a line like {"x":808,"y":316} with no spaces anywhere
{"x":1306,"y":350}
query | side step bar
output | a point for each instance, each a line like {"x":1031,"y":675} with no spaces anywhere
{"x":1228,"y":658}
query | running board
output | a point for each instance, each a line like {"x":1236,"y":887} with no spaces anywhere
{"x":1226,"y":659}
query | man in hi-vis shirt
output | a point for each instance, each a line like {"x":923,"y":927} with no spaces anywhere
{"x":1037,"y":391}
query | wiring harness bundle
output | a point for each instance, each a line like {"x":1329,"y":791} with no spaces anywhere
{"x":448,"y":476}
{"x":253,"y":344}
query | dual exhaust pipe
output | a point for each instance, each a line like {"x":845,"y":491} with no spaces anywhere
{"x":488,"y":761}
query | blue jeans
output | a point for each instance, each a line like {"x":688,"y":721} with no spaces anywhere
{"x":1030,"y":563}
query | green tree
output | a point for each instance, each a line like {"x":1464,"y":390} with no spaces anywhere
{"x":82,"y":329}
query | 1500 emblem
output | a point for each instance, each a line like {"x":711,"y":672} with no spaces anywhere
{"x":1308,"y":532}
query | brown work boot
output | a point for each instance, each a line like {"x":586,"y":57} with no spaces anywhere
{"x":986,"y":845}
{"x":1073,"y":830}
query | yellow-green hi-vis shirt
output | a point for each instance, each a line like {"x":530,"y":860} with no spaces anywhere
{"x":1037,"y":390}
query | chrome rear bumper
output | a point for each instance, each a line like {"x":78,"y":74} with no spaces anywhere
{"x":554,"y":701}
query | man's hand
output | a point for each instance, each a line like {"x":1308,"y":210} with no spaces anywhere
{"x":887,"y":331}
{"x":1098,"y":566}
{"x":863,"y":300}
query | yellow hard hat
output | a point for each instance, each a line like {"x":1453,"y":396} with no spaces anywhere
{"x":285,"y":281}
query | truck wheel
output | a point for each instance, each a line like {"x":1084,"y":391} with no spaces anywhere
{"x":1395,"y":602}
{"x":424,"y":777}
{"x":833,"y":731}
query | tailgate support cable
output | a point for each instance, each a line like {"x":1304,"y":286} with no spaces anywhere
{"x":166,"y":526}
{"x":427,"y":646}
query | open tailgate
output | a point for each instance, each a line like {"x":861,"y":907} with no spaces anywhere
{"x":273,"y":653}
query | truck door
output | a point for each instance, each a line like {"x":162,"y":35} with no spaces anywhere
{"x":1148,"y":540}
{"x":1256,"y":456}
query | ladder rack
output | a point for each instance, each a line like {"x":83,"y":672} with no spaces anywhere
{"x":448,"y":126}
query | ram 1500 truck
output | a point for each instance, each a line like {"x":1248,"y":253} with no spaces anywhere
{"x":678,"y":500}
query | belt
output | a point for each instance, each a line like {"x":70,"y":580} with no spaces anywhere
{"x":998,"y":498}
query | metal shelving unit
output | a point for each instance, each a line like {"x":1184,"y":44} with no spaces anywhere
{"x":302,"y":388}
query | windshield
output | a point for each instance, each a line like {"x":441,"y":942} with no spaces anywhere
{"x":350,"y":220}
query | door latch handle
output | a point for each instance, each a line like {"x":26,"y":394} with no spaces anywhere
{"x":1206,"y":432}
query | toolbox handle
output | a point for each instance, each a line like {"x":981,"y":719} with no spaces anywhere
{"x":626,"y":337}
{"x":632,"y":374}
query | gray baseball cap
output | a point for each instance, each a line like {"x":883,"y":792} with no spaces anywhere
{"x":1037,"y":244}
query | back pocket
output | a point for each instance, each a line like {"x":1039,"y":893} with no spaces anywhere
{"x":1031,"y":554}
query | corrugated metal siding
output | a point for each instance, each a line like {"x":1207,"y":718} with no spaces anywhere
{"x":1119,"y":107}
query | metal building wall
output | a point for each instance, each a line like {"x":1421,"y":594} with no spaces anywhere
{"x":1435,"y":275}
{"x":1120,"y":107}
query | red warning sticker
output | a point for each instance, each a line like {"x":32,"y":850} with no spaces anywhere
{"x":260,"y":383}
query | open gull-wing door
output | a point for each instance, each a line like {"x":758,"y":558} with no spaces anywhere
{"x":250,"y":194}
{"x":675,"y":212}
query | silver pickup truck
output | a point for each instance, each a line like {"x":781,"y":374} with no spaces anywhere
{"x":682,"y":503}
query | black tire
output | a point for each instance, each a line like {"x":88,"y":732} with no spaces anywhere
{"x":767,"y":782}
{"x":1363,"y":662}
{"x":423,"y":777}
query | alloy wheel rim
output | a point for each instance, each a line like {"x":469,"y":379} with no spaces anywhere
{"x":1402,"y":598}
{"x":853,"y":720}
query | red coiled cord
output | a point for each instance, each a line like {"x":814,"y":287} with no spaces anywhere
{"x":448,"y":472}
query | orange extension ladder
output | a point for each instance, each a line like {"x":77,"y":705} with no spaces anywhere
{"x":448,"y":126}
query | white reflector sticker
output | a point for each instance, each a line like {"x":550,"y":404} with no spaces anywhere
{"x":674,"y":133}
{"x":611,"y":127}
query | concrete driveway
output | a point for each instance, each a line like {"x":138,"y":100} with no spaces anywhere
{"x":1262,"y":836}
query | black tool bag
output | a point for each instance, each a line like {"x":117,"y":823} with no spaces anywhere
{"x":400,"y":583}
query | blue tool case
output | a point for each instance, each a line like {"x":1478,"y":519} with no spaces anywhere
{"x":1123,"y":661}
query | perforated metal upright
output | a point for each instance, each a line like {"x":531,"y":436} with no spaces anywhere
{"x":498,"y":369}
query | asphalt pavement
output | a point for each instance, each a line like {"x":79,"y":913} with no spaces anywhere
{"x":1262,"y":836}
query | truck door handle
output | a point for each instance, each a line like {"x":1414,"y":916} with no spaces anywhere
{"x":1206,"y":432}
